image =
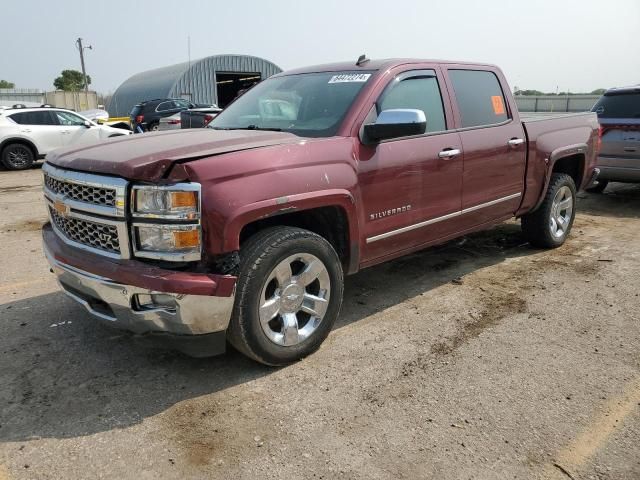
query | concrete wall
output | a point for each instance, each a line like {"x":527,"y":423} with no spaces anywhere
{"x":32,"y":97}
{"x":27,"y":96}
{"x":77,"y":101}
{"x":555,"y":103}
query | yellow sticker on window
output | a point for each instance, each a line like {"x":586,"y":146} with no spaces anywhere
{"x":498,"y":106}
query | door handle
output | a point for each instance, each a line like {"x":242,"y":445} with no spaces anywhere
{"x":449,"y":153}
{"x":514,"y":142}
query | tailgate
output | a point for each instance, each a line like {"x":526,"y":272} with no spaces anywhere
{"x":620,"y":137}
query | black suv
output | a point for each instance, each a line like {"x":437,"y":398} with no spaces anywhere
{"x":146,"y":116}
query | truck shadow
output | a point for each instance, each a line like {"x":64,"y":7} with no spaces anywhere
{"x":620,"y":200}
{"x":63,"y":376}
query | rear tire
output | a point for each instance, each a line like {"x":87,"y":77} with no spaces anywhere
{"x":17,"y":156}
{"x":153,"y":127}
{"x":550,"y":224}
{"x":598,"y":187}
{"x":286,"y":276}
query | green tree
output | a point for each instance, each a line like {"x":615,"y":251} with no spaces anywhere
{"x":70,"y":80}
{"x":598,"y":91}
{"x":529,"y":92}
{"x":7,"y":84}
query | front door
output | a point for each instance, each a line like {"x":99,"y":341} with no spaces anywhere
{"x":410,"y":185}
{"x":74,"y":130}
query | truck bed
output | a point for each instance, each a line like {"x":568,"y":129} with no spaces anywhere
{"x":549,"y":135}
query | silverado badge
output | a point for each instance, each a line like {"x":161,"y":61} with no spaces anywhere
{"x":388,"y":213}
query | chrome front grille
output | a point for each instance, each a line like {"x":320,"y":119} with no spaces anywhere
{"x":92,"y":234}
{"x":88,"y":210}
{"x":81,"y":193}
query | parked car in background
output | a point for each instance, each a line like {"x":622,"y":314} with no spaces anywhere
{"x":146,"y":116}
{"x":192,"y":118}
{"x":619,"y":117}
{"x":170,"y":123}
{"x":27,"y":134}
{"x":198,"y":117}
{"x":245,"y":233}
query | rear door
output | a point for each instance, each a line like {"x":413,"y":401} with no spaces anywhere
{"x":493,"y":141}
{"x":41,"y":127}
{"x":409,"y":187}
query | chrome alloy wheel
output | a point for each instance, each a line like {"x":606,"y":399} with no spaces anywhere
{"x":294,"y":299}
{"x":561,"y":211}
{"x":19,"y":156}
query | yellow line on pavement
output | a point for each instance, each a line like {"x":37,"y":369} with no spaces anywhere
{"x":572,"y":457}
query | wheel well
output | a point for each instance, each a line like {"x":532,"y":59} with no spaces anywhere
{"x":573,"y":166}
{"x":22,"y":141}
{"x":331,"y":223}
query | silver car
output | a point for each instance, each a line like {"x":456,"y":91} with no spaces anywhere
{"x":177,"y":120}
{"x":619,"y":116}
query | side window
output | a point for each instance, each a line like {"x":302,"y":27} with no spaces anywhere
{"x":420,"y":92}
{"x":68,"y":119}
{"x":33,"y":118}
{"x":164,"y":106}
{"x":19,"y":118}
{"x":479,"y":96}
{"x":182,"y":103}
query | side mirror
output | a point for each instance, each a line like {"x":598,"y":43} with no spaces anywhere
{"x":87,"y":124}
{"x":396,"y":123}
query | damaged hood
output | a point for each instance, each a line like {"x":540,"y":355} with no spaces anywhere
{"x":150,"y":156}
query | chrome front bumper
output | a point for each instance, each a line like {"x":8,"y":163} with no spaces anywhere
{"x":140,"y":310}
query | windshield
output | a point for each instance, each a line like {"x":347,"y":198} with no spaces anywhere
{"x":308,"y":105}
{"x":618,"y":106}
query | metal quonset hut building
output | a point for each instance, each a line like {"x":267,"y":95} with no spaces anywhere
{"x":216,"y":79}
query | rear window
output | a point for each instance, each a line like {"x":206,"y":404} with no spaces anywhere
{"x":625,"y":105}
{"x":137,"y":110}
{"x":479,"y":96}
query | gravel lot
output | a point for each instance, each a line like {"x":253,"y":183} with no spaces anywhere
{"x":481,"y":359}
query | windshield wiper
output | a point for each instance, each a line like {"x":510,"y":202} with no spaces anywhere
{"x":249,"y":127}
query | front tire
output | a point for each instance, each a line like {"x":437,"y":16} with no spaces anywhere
{"x":17,"y":156}
{"x":288,"y":295}
{"x":550,"y":224}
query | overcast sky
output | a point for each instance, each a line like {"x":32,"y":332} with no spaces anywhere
{"x":575,"y":45}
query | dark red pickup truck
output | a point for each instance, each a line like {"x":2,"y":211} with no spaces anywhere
{"x":243,"y":231}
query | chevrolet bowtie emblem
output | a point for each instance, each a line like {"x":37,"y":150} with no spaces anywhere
{"x":61,"y":207}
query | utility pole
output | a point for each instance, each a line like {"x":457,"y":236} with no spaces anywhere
{"x":84,"y":71}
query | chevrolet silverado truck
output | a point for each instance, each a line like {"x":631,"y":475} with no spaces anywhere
{"x":243,"y":231}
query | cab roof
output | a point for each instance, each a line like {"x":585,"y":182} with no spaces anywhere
{"x":373,"y":65}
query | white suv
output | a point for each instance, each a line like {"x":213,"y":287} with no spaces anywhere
{"x":27,"y":134}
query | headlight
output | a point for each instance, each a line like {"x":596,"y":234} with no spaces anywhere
{"x":180,"y":202}
{"x":171,"y":229}
{"x":167,"y":242}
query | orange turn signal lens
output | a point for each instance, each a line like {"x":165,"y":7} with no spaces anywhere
{"x":184,"y":200}
{"x":186,"y":238}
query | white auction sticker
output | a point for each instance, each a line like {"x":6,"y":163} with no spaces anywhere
{"x":350,"y":77}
